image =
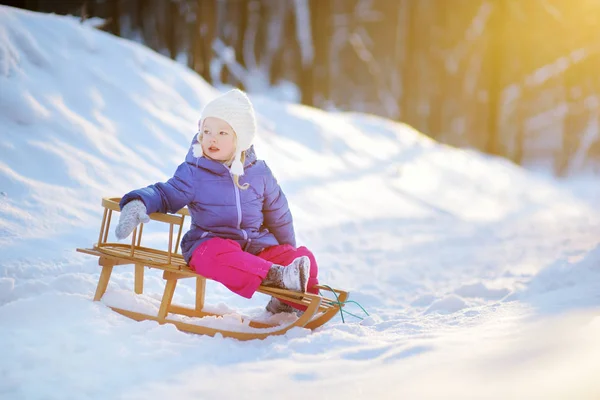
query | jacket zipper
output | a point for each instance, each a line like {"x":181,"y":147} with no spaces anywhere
{"x":238,"y":204}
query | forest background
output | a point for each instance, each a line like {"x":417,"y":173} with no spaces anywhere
{"x":514,"y":78}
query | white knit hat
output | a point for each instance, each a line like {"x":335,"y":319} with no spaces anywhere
{"x":235,"y":108}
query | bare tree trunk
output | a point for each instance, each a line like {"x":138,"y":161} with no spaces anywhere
{"x":572,"y":122}
{"x":195,"y":41}
{"x":251,"y":34}
{"x":578,"y":84}
{"x":236,"y":29}
{"x":139,"y":15}
{"x":438,"y":47}
{"x":399,"y":58}
{"x":522,"y":52}
{"x":115,"y":16}
{"x":317,"y":81}
{"x":274,"y":38}
{"x":306,"y":83}
{"x":241,"y":23}
{"x":495,"y":56}
{"x":409,"y":72}
{"x":288,"y":30}
{"x":172,"y":13}
{"x":203,"y":36}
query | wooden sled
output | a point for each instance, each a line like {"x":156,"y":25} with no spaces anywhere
{"x":319,"y":309}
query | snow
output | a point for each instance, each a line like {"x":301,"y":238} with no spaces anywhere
{"x":481,"y":278}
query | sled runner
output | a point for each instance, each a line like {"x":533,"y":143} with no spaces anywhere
{"x":319,"y":308}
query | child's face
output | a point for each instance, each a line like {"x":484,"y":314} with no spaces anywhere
{"x":218,"y":139}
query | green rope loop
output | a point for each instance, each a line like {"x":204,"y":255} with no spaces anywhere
{"x":340,"y":304}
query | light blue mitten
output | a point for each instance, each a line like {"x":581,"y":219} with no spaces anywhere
{"x":132,"y":214}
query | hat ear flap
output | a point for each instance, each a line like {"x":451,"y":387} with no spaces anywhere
{"x":197,"y":147}
{"x":237,"y":168}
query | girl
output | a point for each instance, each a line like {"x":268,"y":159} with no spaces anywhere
{"x":242,"y":233}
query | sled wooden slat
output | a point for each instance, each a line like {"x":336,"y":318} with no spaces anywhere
{"x":101,"y":236}
{"x":139,"y":279}
{"x":132,"y":248}
{"x":139,"y":238}
{"x":200,"y":289}
{"x":319,"y":309}
{"x":108,"y":219}
{"x":153,"y":257}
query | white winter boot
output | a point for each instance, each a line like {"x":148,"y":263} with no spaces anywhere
{"x":292,"y":277}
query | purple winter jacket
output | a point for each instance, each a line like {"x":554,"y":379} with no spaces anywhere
{"x":256,"y":218}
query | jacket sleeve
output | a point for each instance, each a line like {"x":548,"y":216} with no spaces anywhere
{"x":169,"y":196}
{"x":277,"y":215}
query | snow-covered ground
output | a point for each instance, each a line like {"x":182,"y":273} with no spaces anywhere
{"x":482,"y":280}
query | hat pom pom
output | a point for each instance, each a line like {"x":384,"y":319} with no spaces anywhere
{"x":197,"y":150}
{"x":236,"y":166}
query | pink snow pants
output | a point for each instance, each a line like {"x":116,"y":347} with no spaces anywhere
{"x":224,"y":261}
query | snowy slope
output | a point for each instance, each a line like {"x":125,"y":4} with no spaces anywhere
{"x":482,"y":280}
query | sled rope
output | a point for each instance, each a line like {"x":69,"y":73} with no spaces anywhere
{"x":340,"y":304}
